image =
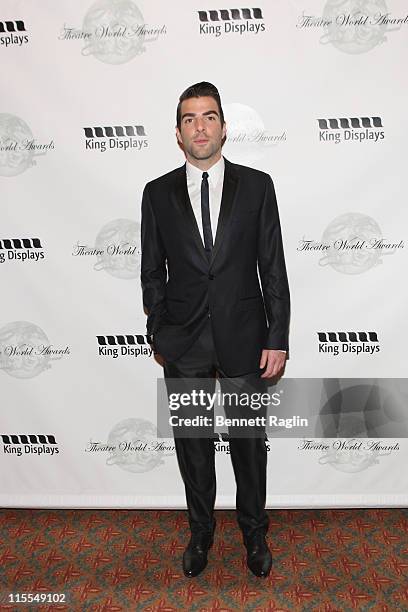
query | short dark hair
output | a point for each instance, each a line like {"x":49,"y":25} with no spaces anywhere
{"x":197,"y":91}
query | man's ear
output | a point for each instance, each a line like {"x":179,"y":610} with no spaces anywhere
{"x":178,"y":136}
{"x":224,"y":130}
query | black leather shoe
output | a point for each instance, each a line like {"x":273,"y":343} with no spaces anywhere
{"x":195,"y":555}
{"x":259,"y":558}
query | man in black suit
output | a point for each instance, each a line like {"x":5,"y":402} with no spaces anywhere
{"x":207,"y":228}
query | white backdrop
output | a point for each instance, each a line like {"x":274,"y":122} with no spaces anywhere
{"x":315,"y":94}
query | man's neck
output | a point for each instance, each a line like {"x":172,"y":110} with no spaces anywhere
{"x":204,"y":164}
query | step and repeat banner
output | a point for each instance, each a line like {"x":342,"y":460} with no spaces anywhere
{"x":315,"y":94}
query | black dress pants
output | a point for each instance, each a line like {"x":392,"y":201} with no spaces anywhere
{"x":196,"y":456}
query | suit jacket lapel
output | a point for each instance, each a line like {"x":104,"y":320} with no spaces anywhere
{"x":182,"y":202}
{"x":228,"y":200}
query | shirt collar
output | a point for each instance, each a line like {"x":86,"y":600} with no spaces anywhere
{"x":195,"y":175}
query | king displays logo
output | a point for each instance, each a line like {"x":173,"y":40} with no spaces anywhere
{"x":227,"y":21}
{"x":353,"y":128}
{"x":11,"y":33}
{"x":124,"y":345}
{"x":334,"y":343}
{"x":22,"y":249}
{"x":30,"y":444}
{"x":116,"y":137}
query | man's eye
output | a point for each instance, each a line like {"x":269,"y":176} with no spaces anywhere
{"x":211,"y":117}
{"x":188,"y":120}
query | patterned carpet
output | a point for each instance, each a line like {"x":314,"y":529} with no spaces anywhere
{"x":122,"y":560}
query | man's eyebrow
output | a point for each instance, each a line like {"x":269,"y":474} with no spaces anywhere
{"x":209,"y":112}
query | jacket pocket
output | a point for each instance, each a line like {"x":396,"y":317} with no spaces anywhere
{"x":250,"y":302}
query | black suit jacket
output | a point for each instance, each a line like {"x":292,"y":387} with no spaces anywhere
{"x":181,"y":287}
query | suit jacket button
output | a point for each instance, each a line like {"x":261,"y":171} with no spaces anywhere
{"x":211,"y":276}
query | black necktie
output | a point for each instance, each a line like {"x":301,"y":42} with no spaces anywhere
{"x":205,"y":214}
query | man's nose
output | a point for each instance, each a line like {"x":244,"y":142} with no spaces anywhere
{"x":199,"y":124}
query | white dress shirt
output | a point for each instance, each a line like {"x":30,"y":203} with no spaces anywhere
{"x":215,"y":184}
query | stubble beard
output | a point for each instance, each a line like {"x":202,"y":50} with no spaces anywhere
{"x":204,"y":153}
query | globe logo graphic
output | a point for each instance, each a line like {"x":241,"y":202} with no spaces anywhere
{"x":350,"y":229}
{"x":119,"y":241}
{"x":114,"y":30}
{"x":350,"y":461}
{"x":136,"y":432}
{"x":354,"y":37}
{"x":351,"y":416}
{"x":21,"y":344}
{"x":247,"y":139}
{"x":15,"y":156}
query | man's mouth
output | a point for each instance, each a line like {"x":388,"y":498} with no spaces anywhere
{"x":201,"y":141}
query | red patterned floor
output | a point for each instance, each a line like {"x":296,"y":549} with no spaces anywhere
{"x":122,"y":560}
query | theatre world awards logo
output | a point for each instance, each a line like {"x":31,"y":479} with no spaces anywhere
{"x":25,"y":350}
{"x":352,"y":243}
{"x":113,"y":31}
{"x":353,"y":26}
{"x":248,"y":138}
{"x":133,"y":446}
{"x":18,"y":147}
{"x":117,"y":249}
